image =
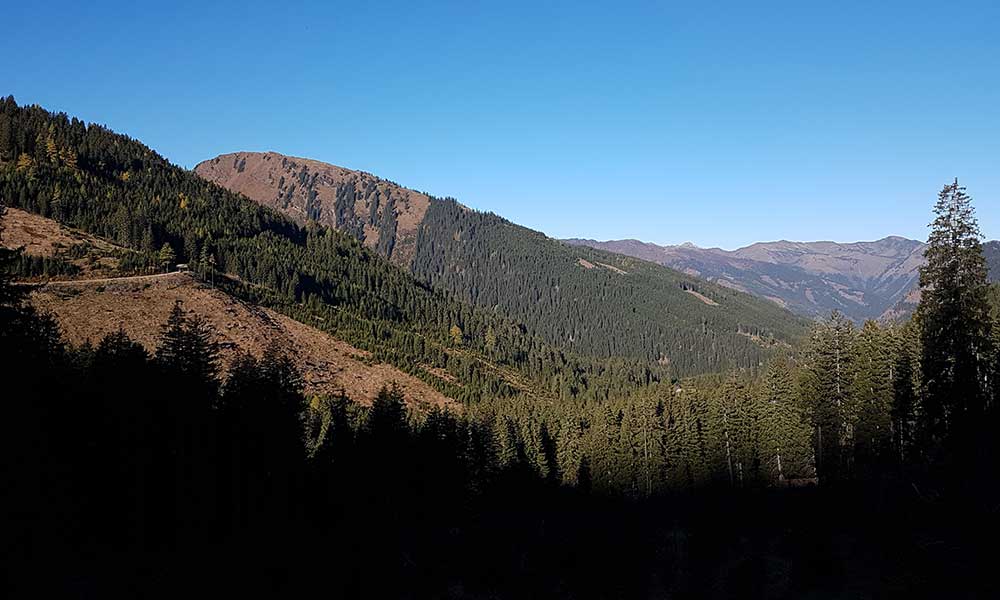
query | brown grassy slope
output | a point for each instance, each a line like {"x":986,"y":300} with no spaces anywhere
{"x":90,"y":310}
{"x":307,"y":189}
{"x":44,"y":237}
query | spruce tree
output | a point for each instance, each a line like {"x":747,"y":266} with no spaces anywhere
{"x":202,"y":353}
{"x":872,"y":391}
{"x":955,"y":326}
{"x":549,"y":455}
{"x":825,"y":389}
{"x":906,"y":387}
{"x":242,"y":381}
{"x":787,"y":446}
{"x":167,"y":257}
{"x":170,"y":353}
{"x":186,"y":350}
{"x":282,"y":403}
{"x":387,"y":417}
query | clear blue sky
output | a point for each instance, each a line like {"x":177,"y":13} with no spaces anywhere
{"x":719,"y":123}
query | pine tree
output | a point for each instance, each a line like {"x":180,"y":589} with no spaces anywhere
{"x":167,"y":257}
{"x":25,"y":163}
{"x":825,"y":392}
{"x":456,"y":335}
{"x":6,"y":140}
{"x":955,"y":327}
{"x":510,"y":446}
{"x":51,"y":150}
{"x":202,"y":364}
{"x":906,"y":387}
{"x":242,"y":382}
{"x":584,"y":479}
{"x":549,"y":455}
{"x":490,"y":341}
{"x":872,"y":391}
{"x":787,"y":438}
{"x":171,"y":351}
{"x":387,"y":418}
{"x":186,"y":349}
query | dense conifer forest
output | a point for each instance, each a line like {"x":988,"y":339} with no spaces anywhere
{"x":856,"y":462}
{"x":596,"y":303}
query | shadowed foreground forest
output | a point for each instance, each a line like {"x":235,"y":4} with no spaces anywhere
{"x":138,"y":474}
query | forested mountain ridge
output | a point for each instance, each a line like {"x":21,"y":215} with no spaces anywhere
{"x":861,"y":280}
{"x":595,"y":303}
{"x":90,"y":178}
{"x":599,"y":303}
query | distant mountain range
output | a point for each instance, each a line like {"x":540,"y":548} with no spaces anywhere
{"x":863,"y":280}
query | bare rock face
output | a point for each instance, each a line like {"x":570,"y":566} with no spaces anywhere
{"x":380,"y":213}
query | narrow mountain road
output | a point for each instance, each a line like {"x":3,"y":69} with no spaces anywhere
{"x":69,"y":282}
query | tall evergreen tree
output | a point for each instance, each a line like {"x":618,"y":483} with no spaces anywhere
{"x":787,"y":445}
{"x":281,"y":388}
{"x":906,"y":386}
{"x":167,"y":257}
{"x":955,"y":326}
{"x":387,"y":417}
{"x":186,"y":349}
{"x":825,"y":389}
{"x":872,"y":397}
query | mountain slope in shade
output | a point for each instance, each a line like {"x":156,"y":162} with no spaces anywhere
{"x":862,"y":280}
{"x":383,"y":215}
